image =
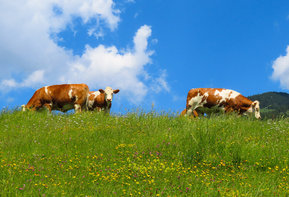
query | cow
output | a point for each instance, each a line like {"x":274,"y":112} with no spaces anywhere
{"x":225,"y":99}
{"x":62,"y":97}
{"x":101,"y":100}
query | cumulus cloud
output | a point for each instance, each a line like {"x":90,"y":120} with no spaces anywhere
{"x":30,"y":57}
{"x":281,"y":69}
{"x":161,"y":83}
{"x":104,"y":66}
{"x":26,"y":28}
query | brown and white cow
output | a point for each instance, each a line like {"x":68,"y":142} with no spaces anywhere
{"x":59,"y":97}
{"x":101,"y":100}
{"x":226,"y":100}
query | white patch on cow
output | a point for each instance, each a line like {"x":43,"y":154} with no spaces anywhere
{"x":77,"y":108}
{"x":96,"y":93}
{"x":70,"y":93}
{"x":226,"y":94}
{"x":90,"y":102}
{"x":195,"y":102}
{"x":46,"y":89}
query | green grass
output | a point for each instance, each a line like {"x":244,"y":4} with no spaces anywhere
{"x":91,"y":154}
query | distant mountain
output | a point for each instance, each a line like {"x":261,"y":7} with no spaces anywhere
{"x":273,"y":104}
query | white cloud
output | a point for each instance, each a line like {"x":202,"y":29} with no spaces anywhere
{"x":28,"y":49}
{"x":161,"y":83}
{"x":281,"y":69}
{"x":26,"y":28}
{"x":107,"y":66}
{"x":9,"y":83}
{"x":96,"y":33}
{"x":34,"y":78}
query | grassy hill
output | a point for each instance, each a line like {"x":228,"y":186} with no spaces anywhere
{"x":273,"y":104}
{"x":91,"y":154}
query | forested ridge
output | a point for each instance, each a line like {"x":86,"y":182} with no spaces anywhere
{"x":273,"y":104}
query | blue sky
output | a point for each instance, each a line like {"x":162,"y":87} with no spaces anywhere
{"x":154,"y":51}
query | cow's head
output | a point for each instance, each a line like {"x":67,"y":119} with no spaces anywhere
{"x":23,"y":107}
{"x":256,"y":107}
{"x":27,"y":108}
{"x":108,"y":93}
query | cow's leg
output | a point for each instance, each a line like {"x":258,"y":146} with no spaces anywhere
{"x":48,"y":106}
{"x":191,"y":112}
{"x":107,"y":110}
{"x":228,"y":109}
{"x":195,"y":113}
{"x":184,"y":113}
{"x":77,"y":108}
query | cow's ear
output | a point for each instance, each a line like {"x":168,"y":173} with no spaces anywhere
{"x":116,"y":91}
{"x":101,"y":90}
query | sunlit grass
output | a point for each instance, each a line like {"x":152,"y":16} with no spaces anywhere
{"x":142,"y":154}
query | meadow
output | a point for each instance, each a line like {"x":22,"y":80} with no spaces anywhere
{"x":142,"y":154}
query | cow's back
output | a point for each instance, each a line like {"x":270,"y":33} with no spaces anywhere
{"x":66,"y":94}
{"x":203,"y":95}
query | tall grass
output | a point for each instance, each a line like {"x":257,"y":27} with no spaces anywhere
{"x":142,"y":154}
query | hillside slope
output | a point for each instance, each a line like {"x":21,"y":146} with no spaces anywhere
{"x":92,"y":154}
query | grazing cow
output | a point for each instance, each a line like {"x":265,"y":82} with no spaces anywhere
{"x":226,"y":100}
{"x":101,"y":99}
{"x":59,"y":97}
